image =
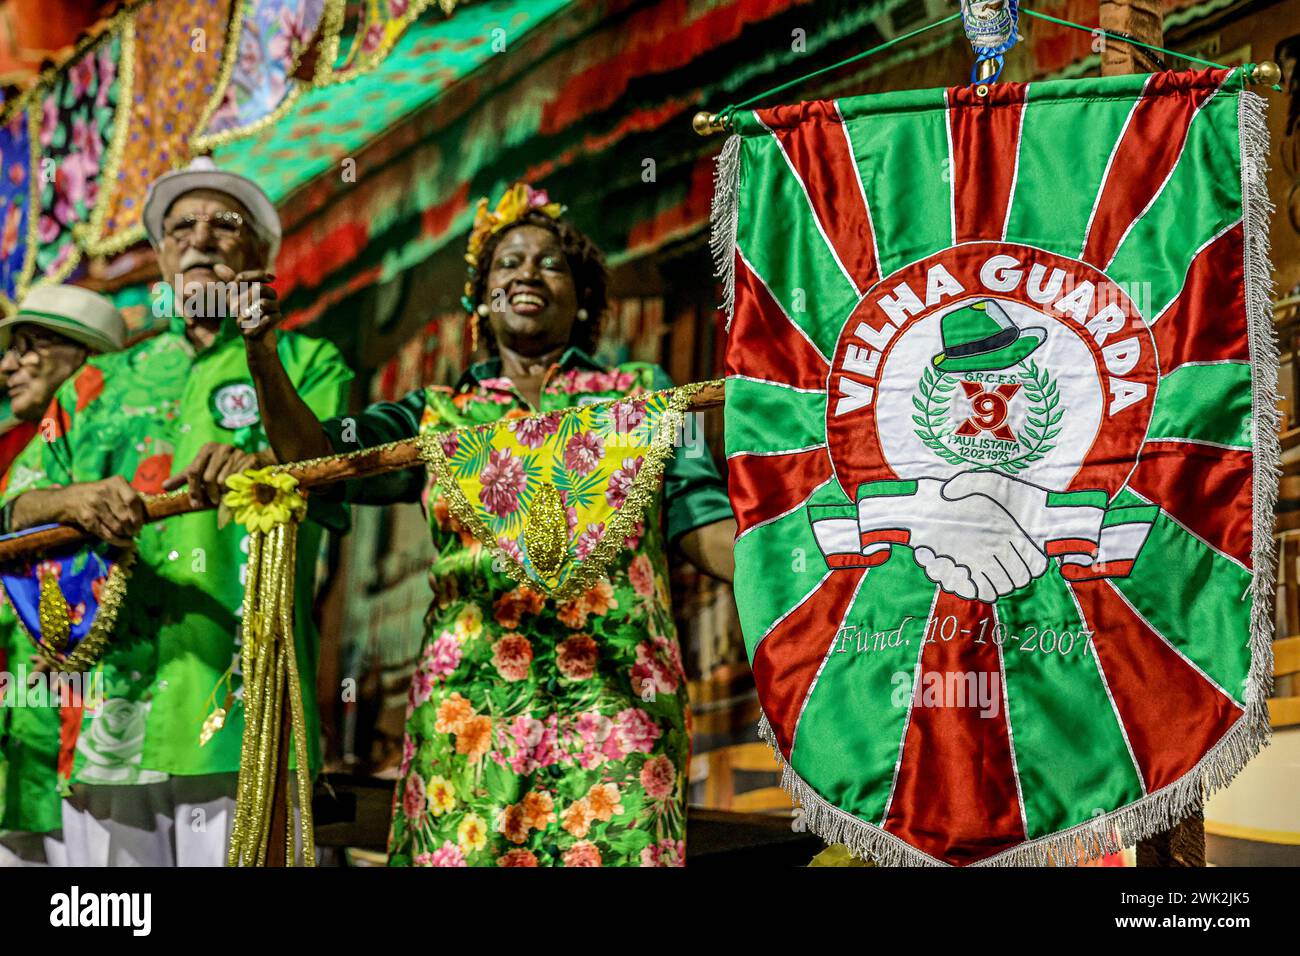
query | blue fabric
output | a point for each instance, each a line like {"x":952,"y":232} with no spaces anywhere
{"x":15,"y":196}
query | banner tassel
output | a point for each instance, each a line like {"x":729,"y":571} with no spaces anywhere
{"x":725,"y":217}
{"x":1266,"y":418}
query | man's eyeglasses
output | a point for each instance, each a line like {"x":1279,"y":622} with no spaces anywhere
{"x":224,"y":225}
{"x":25,"y":347}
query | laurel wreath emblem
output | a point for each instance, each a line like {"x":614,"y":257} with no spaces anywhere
{"x":1042,"y":421}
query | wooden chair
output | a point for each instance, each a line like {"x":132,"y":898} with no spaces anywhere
{"x":717,"y":769}
{"x":1284,"y":705}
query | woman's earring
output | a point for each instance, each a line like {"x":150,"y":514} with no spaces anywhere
{"x":480,"y":312}
{"x":582,"y":315}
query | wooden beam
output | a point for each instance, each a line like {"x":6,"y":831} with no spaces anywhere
{"x":1141,"y":19}
{"x":1184,"y":843}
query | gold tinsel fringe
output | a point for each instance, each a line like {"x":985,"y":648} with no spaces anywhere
{"x":270,"y":668}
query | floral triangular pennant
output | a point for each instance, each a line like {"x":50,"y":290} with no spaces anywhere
{"x":66,"y":600}
{"x":553,"y":496}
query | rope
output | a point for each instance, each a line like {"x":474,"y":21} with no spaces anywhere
{"x":726,"y":113}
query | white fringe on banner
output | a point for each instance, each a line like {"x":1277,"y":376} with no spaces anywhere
{"x":725,"y":216}
{"x":1159,"y":811}
{"x":1266,"y":419}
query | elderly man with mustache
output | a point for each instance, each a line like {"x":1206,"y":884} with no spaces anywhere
{"x":145,"y":789}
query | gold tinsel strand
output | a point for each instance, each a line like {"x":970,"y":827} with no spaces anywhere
{"x":270,"y":664}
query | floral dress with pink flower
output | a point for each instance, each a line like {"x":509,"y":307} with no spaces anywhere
{"x":542,"y":732}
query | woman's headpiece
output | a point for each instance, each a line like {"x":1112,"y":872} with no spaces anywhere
{"x":515,"y":203}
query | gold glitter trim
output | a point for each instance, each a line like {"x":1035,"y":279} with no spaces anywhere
{"x":91,"y":647}
{"x":229,"y":57}
{"x":644,"y":488}
{"x":99,"y":245}
{"x":358,"y":63}
{"x":24,"y":279}
{"x":32,"y":99}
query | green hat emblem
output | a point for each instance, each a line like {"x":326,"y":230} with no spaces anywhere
{"x":982,"y":338}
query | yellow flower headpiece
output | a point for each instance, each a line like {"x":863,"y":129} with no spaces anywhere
{"x":516,"y":202}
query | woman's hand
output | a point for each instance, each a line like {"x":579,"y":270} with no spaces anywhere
{"x":207,"y":473}
{"x":712,"y":548}
{"x":292,"y":429}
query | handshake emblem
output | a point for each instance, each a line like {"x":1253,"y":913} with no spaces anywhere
{"x":981,"y":534}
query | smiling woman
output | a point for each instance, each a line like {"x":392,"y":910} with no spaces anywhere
{"x":541,"y":731}
{"x":543,"y":275}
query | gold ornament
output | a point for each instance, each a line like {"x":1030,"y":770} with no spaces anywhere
{"x":56,"y":626}
{"x":547,"y":533}
{"x":216,"y":720}
{"x":1266,"y":73}
{"x":706,"y":124}
{"x":89,"y":648}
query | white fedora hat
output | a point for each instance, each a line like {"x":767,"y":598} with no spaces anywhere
{"x":202,"y":173}
{"x":73,"y":312}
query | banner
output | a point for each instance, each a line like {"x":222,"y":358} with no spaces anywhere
{"x":1002,"y":441}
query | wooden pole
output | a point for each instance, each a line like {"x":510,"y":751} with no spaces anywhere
{"x":314,"y":474}
{"x":1184,"y":843}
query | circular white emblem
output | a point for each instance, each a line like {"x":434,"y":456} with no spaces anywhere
{"x":235,"y":405}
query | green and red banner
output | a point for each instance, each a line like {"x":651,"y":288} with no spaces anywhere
{"x":1002,"y":443}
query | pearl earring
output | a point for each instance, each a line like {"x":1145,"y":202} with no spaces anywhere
{"x":582,"y":315}
{"x":483,"y":309}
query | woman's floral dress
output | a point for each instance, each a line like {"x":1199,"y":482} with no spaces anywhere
{"x":543,"y":732}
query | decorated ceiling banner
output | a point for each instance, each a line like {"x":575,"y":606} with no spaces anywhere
{"x":143,"y":93}
{"x":271,"y":38}
{"x":1001,"y":429}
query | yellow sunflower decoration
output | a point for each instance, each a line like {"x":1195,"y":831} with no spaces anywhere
{"x":263,"y":499}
